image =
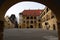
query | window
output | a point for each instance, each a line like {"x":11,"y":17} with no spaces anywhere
{"x":31,"y":21}
{"x":31,"y":17}
{"x":20,"y":13}
{"x":31,"y":26}
{"x":39,"y":20}
{"x":44,"y":13}
{"x":53,"y":26}
{"x":39,"y":25}
{"x":27,"y":17}
{"x":34,"y":17}
{"x":52,"y":17}
{"x":46,"y":23}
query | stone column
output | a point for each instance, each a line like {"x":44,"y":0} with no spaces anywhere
{"x":1,"y":29}
{"x":58,"y":30}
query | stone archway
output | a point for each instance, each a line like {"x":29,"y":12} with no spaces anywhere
{"x":52,"y":4}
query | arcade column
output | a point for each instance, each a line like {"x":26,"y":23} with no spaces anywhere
{"x":59,"y":31}
{"x":1,"y":29}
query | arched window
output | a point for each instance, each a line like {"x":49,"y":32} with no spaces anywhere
{"x":34,"y":17}
{"x":27,"y":17}
{"x":31,"y":21}
{"x":31,"y":26}
{"x":46,"y":23}
{"x":39,"y":25}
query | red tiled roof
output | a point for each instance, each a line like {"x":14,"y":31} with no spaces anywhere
{"x":32,"y":12}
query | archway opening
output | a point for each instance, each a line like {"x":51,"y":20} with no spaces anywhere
{"x":27,"y":16}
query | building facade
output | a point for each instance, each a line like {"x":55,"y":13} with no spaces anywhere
{"x":13,"y":20}
{"x":44,"y":19}
{"x":49,"y":21}
{"x":8,"y":23}
{"x":30,"y":19}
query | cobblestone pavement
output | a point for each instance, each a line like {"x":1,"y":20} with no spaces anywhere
{"x":29,"y":34}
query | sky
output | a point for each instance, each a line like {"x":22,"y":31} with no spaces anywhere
{"x":25,"y":5}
